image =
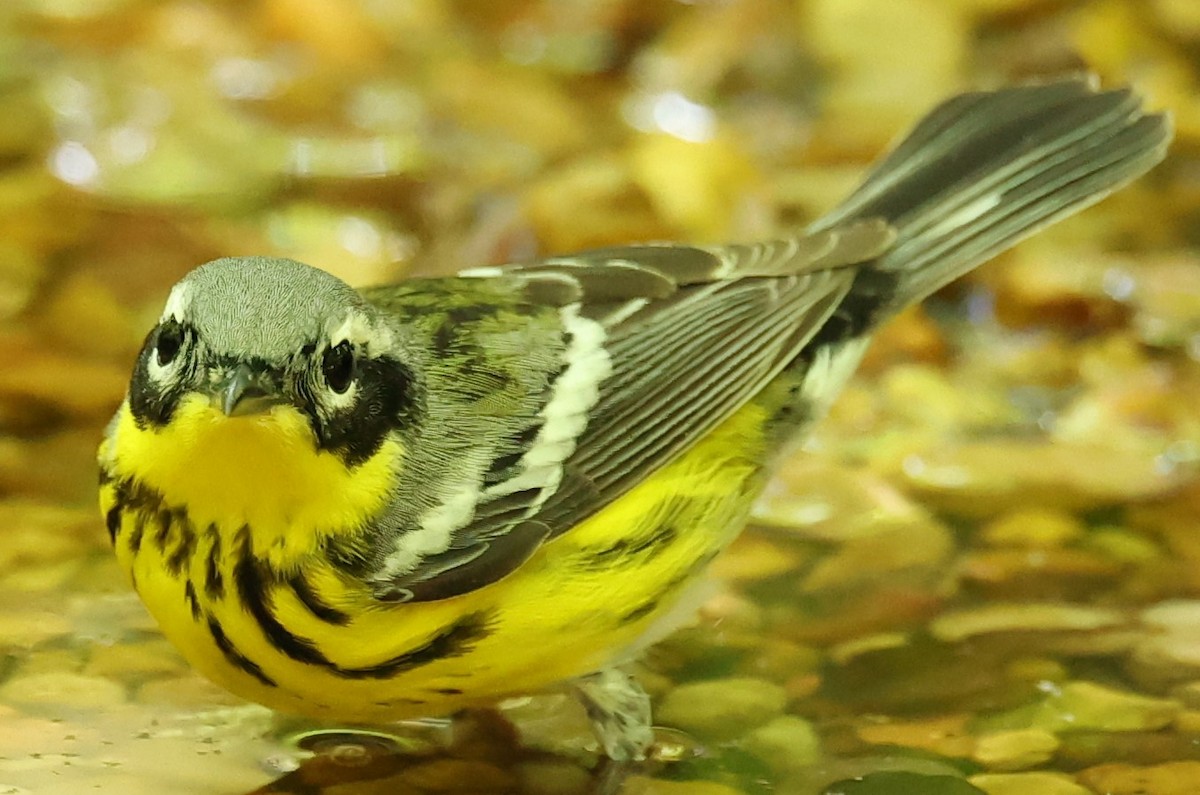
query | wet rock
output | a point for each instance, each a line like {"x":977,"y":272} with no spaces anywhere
{"x":359,"y":247}
{"x":24,"y":628}
{"x":190,"y":691}
{"x":1179,"y":16}
{"x":554,"y":722}
{"x":1033,"y":528}
{"x":459,"y":775}
{"x":984,"y":478}
{"x":62,"y":691}
{"x":20,"y":275}
{"x":914,"y":550}
{"x":695,"y":186}
{"x":785,"y":743}
{"x":1044,"y":574}
{"x":1079,"y":706}
{"x":43,"y":385}
{"x":903,"y":783}
{"x":755,"y":556}
{"x":1028,"y":783}
{"x":1170,"y":778}
{"x":339,"y":35}
{"x":956,"y":626}
{"x":589,"y":202}
{"x":814,"y":498}
{"x":1122,"y":545}
{"x":84,"y":316}
{"x":885,"y":59}
{"x":1166,"y":294}
{"x":520,"y":106}
{"x":643,"y":785}
{"x":1015,"y":750}
{"x":722,"y":709}
{"x":553,"y":778}
{"x":1171,"y":652}
{"x":945,"y":736}
{"x":38,"y":532}
{"x":127,"y":660}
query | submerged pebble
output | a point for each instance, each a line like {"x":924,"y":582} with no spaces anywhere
{"x":722,"y":709}
{"x":1169,"y":778}
{"x":643,"y":785}
{"x":1015,"y":750}
{"x":1079,"y":706}
{"x":785,"y":743}
{"x":59,"y":691}
{"x":954,"y":626}
{"x":1028,"y":784}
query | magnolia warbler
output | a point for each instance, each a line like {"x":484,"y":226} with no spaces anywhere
{"x":401,"y":501}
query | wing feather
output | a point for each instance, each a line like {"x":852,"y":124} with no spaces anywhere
{"x":690,"y":334}
{"x":681,"y":366}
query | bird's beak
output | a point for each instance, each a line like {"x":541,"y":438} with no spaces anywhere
{"x":245,"y":392}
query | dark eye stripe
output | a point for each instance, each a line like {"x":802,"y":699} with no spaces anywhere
{"x":150,"y":401}
{"x":387,"y":399}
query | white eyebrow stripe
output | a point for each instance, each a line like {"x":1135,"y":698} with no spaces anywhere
{"x":358,"y":330}
{"x":177,"y":302}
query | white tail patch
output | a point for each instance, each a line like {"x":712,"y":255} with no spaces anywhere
{"x":963,"y":217}
{"x":829,"y":372}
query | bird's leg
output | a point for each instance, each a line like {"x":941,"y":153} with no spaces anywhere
{"x":620,"y":712}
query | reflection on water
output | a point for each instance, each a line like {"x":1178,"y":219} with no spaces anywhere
{"x":983,"y":575}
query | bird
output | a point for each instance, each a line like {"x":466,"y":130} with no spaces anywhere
{"x":368,"y":505}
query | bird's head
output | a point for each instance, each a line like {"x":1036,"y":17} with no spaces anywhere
{"x":268,"y":385}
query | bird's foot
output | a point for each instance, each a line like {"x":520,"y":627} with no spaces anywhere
{"x":620,"y":712}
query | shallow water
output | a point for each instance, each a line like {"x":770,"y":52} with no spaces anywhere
{"x":982,"y":574}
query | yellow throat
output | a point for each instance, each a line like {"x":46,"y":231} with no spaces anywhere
{"x":262,"y":471}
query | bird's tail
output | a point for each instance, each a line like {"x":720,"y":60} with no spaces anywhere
{"x":987,"y":169}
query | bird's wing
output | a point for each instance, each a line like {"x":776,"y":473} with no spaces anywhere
{"x":685,"y":362}
{"x":678,"y":338}
{"x":666,"y":342}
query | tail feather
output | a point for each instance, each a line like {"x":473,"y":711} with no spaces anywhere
{"x":987,"y":169}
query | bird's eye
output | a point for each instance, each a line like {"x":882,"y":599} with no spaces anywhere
{"x":337,"y":365}
{"x":170,"y":340}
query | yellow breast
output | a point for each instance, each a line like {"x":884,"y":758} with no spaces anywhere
{"x":313,"y":641}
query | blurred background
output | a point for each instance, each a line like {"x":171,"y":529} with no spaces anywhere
{"x":983,"y":575}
